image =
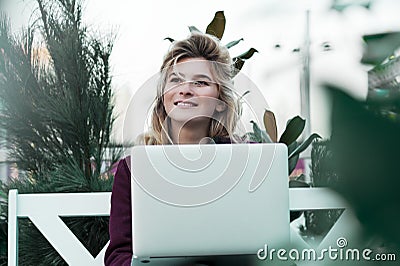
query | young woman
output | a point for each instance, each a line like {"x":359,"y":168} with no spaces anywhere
{"x":195,"y":104}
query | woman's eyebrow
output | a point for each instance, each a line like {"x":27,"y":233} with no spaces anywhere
{"x":176,"y":74}
{"x":202,"y":76}
{"x":196,"y":76}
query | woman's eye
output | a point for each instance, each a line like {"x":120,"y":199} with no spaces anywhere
{"x":200,"y":83}
{"x":175,"y":80}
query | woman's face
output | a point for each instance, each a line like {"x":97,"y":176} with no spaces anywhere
{"x":190,"y":93}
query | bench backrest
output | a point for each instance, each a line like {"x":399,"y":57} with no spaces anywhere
{"x":44,"y":210}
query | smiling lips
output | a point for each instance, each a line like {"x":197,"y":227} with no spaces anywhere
{"x":185,"y":104}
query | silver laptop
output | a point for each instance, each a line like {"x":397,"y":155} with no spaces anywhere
{"x":191,"y":201}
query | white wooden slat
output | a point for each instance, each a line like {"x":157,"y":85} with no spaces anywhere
{"x":62,"y":239}
{"x":314,"y":199}
{"x":12,"y":228}
{"x":44,"y":210}
{"x":65,"y":204}
{"x":99,"y":260}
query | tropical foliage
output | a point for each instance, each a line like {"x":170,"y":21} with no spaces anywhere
{"x":293,"y":130}
{"x":217,"y":29}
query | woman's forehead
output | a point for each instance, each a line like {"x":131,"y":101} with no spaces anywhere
{"x":192,"y":67}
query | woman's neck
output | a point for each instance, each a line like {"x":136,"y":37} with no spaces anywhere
{"x":189,"y":133}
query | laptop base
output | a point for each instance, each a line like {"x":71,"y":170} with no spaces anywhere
{"x":220,"y":260}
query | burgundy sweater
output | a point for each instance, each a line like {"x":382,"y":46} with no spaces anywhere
{"x":119,"y":252}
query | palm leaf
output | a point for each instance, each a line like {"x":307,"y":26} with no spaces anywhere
{"x":193,"y":29}
{"x":233,"y":43}
{"x":261,"y":134}
{"x":238,"y":61}
{"x":248,"y":54}
{"x":304,"y":145}
{"x":169,"y":39}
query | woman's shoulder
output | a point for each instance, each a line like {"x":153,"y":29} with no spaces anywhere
{"x":230,"y":140}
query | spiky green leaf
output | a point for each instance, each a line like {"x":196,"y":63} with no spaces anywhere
{"x":233,"y":43}
{"x":251,"y":136}
{"x":169,"y":39}
{"x":261,"y":134}
{"x":193,"y":29}
{"x":248,"y":54}
{"x":304,"y":145}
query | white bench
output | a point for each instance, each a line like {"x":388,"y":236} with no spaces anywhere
{"x":44,"y":211}
{"x":347,"y":226}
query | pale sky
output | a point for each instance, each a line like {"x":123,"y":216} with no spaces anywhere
{"x":141,"y":26}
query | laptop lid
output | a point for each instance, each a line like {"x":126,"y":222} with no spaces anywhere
{"x":201,"y":200}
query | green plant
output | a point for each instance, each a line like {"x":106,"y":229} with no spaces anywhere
{"x":293,"y":130}
{"x":323,"y":174}
{"x":365,"y":149}
{"x":56,"y":109}
{"x":217,"y":29}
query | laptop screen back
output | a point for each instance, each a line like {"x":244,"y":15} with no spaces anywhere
{"x":197,"y":200}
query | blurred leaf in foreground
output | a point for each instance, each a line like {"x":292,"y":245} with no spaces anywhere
{"x":365,"y":153}
{"x":380,"y":46}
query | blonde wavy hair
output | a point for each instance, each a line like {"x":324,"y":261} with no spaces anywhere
{"x":208,"y":47}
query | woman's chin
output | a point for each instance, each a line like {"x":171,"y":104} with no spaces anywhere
{"x":186,"y":119}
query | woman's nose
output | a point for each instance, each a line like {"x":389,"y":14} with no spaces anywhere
{"x":185,"y":88}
